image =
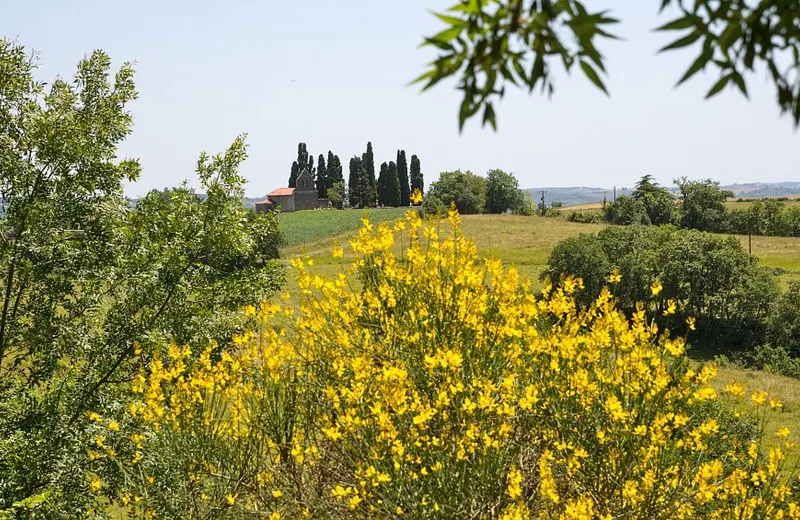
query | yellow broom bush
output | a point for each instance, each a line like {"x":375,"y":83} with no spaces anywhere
{"x":438,"y":386}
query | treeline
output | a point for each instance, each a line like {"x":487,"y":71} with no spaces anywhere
{"x":498,"y":192}
{"x":397,"y":182}
{"x":699,"y":205}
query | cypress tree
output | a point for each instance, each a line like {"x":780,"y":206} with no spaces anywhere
{"x":392,"y":186}
{"x":402,"y":175}
{"x":369,"y":193}
{"x":354,"y":181}
{"x":301,"y":163}
{"x":416,"y":175}
{"x":293,"y":175}
{"x":382,"y":200}
{"x":334,"y":170}
{"x":311,"y":169}
{"x":322,"y":178}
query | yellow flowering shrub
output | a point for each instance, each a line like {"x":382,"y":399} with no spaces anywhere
{"x":439,"y":386}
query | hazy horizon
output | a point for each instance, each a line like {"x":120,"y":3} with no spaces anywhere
{"x":335,"y":75}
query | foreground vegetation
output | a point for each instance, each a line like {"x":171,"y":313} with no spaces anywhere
{"x":440,"y":387}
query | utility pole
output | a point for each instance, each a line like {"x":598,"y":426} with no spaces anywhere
{"x":542,"y":206}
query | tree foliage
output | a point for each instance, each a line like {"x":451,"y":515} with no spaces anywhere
{"x":658,"y":202}
{"x":702,"y":204}
{"x":489,"y":44}
{"x":382,"y":180}
{"x":89,"y":285}
{"x":354,"y":182}
{"x":322,"y":180}
{"x":392,"y":186}
{"x":417,"y":180}
{"x":402,"y":177}
{"x":706,"y":276}
{"x":304,"y":161}
{"x":502,"y":192}
{"x":465,"y":189}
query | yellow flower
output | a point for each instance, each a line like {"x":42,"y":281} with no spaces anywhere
{"x":758,"y":398}
{"x":615,"y":277}
{"x":656,"y":288}
{"x":782,"y":432}
{"x":514,"y":480}
{"x":113,"y":426}
{"x":690,"y":321}
{"x":277,"y":493}
{"x":95,"y":484}
{"x":230,"y":499}
{"x":275,"y":516}
{"x":337,"y":252}
{"x":94,"y":416}
{"x":416,"y":197}
{"x":775,"y":403}
{"x":399,"y":511}
{"x":735,"y":389}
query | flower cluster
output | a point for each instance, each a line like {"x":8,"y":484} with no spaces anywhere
{"x":429,"y":382}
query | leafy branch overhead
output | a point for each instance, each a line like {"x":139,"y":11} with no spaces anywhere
{"x":490,"y":43}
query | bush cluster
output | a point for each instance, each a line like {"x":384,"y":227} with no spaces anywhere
{"x":440,"y":386}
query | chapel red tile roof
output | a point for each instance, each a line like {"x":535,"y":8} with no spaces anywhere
{"x":280,"y":192}
{"x":264,"y":202}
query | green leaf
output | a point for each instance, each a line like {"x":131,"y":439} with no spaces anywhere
{"x":739,"y":80}
{"x":430,"y":75}
{"x":489,"y":116}
{"x":679,"y":23}
{"x":446,"y":36}
{"x":450,"y":20}
{"x":683,"y":42}
{"x":698,"y":64}
{"x":718,"y":86}
{"x":593,"y":76}
{"x":731,"y":33}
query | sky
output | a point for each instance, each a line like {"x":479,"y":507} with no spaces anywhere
{"x":335,"y":74}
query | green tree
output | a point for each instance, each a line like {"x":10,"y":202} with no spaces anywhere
{"x":335,"y":173}
{"x":626,"y":211}
{"x":299,"y":165}
{"x":417,"y":181}
{"x":382,"y":180}
{"x":322,"y":178}
{"x":707,"y":276}
{"x":783,"y":329}
{"x":702,"y":204}
{"x":336,"y":194}
{"x":402,"y":175}
{"x":486,"y":45}
{"x":89,"y":285}
{"x":369,"y":185}
{"x":465,"y":189}
{"x":658,"y":202}
{"x":502,"y":192}
{"x":392,"y":186}
{"x":354,"y":182}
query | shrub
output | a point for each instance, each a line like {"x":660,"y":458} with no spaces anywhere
{"x":702,"y":275}
{"x":465,"y":189}
{"x":783,"y":324}
{"x":442,"y":387}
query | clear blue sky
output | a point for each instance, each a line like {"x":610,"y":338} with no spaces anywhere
{"x":334,"y":75}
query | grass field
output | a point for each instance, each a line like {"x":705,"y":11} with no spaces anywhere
{"x":315,"y":226}
{"x":746,"y":203}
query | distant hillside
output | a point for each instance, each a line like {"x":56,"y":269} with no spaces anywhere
{"x":582,"y":195}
